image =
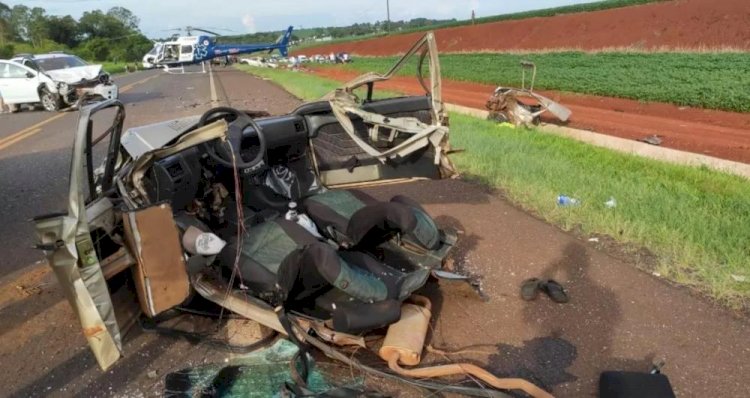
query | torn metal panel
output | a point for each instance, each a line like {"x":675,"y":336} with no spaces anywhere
{"x":345,"y":104}
{"x":76,"y":74}
{"x":133,"y":180}
{"x":67,"y":243}
{"x":160,"y":276}
{"x":139,"y":140}
{"x":506,"y":105}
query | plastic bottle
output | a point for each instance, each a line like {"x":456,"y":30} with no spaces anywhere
{"x":302,"y":220}
{"x":292,"y":214}
{"x":564,"y":200}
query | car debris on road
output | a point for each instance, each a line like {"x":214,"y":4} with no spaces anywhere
{"x":523,"y":107}
{"x":200,"y":206}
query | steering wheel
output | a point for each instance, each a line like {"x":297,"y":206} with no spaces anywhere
{"x":228,"y":153}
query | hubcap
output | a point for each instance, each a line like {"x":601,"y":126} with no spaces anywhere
{"x":48,"y":102}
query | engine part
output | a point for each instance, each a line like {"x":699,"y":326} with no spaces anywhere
{"x":405,"y":339}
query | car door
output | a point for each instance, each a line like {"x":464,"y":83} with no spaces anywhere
{"x":358,"y":136}
{"x":18,"y":84}
{"x":186,"y":53}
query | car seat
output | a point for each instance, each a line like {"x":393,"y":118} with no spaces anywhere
{"x":399,"y":228}
{"x":352,"y":289}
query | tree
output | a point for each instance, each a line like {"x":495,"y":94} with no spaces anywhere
{"x":125,"y":16}
{"x":19,"y":21}
{"x":63,"y":30}
{"x":37,"y":26}
{"x":95,"y":24}
{"x":4,"y":23}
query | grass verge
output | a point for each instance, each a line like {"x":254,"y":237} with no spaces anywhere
{"x":695,"y":219}
{"x":115,"y":67}
{"x":705,"y":80}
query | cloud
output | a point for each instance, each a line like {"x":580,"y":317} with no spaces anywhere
{"x":248,"y":21}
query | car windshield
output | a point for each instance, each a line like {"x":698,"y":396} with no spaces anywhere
{"x":63,"y":62}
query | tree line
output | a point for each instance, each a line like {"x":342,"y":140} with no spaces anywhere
{"x":97,"y":35}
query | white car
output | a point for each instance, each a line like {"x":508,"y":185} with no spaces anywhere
{"x":54,"y":80}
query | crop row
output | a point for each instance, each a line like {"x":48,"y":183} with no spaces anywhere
{"x":706,"y":80}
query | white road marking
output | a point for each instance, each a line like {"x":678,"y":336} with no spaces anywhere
{"x":214,"y":97}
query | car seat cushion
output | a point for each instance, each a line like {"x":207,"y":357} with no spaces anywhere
{"x":334,"y":208}
{"x":352,"y":217}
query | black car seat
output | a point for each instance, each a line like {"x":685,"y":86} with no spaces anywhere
{"x":357,"y":220}
{"x":352,"y":289}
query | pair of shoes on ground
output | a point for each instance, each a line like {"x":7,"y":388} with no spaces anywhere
{"x":530,"y":289}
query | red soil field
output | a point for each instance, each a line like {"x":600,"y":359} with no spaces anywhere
{"x":715,"y":133}
{"x":677,"y":24}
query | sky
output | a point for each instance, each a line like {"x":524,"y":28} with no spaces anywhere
{"x":249,"y":16}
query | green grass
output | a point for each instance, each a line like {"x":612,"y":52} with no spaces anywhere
{"x":695,"y":219}
{"x":114,"y":67}
{"x":706,"y":80}
{"x":302,"y":86}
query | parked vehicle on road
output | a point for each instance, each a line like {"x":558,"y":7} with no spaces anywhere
{"x":54,"y":80}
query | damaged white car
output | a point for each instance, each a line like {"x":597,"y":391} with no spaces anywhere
{"x":258,"y":215}
{"x":55,"y":81}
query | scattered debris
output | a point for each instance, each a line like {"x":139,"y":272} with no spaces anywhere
{"x":531,"y":287}
{"x":152,"y":374}
{"x":594,"y":240}
{"x":739,"y":278}
{"x":505,"y":105}
{"x":611,"y":203}
{"x":30,"y":290}
{"x":564,"y":200}
{"x":652,"y":139}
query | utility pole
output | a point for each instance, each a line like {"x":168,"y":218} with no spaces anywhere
{"x":388,"y":13}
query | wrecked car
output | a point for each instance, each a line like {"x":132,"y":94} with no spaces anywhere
{"x":55,"y":80}
{"x":260,"y":215}
{"x":523,"y":107}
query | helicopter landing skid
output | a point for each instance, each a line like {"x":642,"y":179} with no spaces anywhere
{"x":181,"y":70}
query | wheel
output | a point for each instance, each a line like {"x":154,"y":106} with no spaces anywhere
{"x":50,"y":101}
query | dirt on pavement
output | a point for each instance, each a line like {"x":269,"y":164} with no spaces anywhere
{"x":676,"y":24}
{"x":715,"y":133}
{"x":619,"y":318}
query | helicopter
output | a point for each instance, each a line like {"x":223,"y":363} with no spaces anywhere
{"x":189,"y":50}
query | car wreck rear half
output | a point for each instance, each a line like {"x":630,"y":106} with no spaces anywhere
{"x":258,"y":214}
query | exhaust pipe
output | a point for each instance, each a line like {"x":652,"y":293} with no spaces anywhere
{"x":404,"y":342}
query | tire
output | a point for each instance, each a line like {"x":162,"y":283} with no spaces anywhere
{"x":50,"y":102}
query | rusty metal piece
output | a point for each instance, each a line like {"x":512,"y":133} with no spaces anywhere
{"x":522,"y":106}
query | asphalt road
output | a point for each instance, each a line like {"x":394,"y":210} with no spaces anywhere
{"x":35,"y":146}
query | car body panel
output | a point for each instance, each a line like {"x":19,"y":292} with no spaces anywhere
{"x":68,"y":83}
{"x":75,"y":75}
{"x":67,"y":238}
{"x":15,"y":86}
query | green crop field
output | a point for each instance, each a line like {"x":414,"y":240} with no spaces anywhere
{"x":707,"y":80}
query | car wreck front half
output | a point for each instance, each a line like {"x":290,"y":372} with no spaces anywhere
{"x":257,"y":214}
